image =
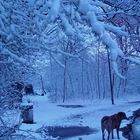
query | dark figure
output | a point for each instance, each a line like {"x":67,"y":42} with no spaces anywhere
{"x":16,"y":96}
{"x":136,"y":114}
{"x":29,"y":89}
{"x":18,"y":86}
{"x":126,"y":131}
{"x":112,"y":122}
{"x":16,"y":92}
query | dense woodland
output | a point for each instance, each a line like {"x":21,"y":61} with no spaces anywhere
{"x":70,"y":49}
{"x":58,"y":42}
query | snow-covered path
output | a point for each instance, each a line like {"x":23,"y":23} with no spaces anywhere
{"x":92,"y":119}
{"x":90,"y":115}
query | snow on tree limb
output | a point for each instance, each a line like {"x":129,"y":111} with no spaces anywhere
{"x":132,"y":60}
{"x":130,"y":7}
{"x":58,"y":62}
{"x":2,"y":25}
{"x":67,"y":54}
{"x":60,"y":52}
{"x":98,"y":3}
{"x":85,"y":11}
{"x":13,"y":56}
{"x":116,"y":30}
{"x":54,"y":11}
{"x":81,"y":12}
{"x":99,"y":28}
{"x":68,"y":27}
{"x":84,"y":6}
{"x":115,"y":68}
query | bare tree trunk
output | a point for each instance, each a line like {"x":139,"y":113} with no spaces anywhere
{"x":119,"y":87}
{"x":89,"y":82}
{"x":64,"y":82}
{"x":56,"y":90}
{"x":104,"y":89}
{"x":110,"y":77}
{"x":51,"y":71}
{"x":42,"y":85}
{"x":70,"y":79}
{"x":98,"y":73}
{"x":82,"y":81}
{"x":93,"y":82}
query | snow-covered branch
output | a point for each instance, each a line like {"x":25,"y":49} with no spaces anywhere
{"x":29,"y":27}
{"x":58,"y":62}
{"x":13,"y":56}
{"x":101,"y":29}
{"x":85,"y":11}
{"x":54,"y":11}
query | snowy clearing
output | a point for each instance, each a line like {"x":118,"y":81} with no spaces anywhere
{"x":50,"y":114}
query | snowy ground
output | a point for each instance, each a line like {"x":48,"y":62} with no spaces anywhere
{"x":50,"y":114}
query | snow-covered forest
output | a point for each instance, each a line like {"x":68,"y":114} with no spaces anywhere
{"x":67,"y":52}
